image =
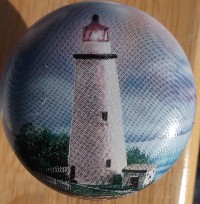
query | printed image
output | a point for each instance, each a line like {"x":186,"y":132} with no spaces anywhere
{"x":98,"y":104}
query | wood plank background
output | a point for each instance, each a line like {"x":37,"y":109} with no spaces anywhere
{"x":181,"y":17}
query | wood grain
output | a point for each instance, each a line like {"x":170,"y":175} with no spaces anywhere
{"x":181,"y":17}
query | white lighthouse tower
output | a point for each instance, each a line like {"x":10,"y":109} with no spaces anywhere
{"x":97,"y":145}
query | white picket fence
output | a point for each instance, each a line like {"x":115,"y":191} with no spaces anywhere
{"x":55,"y":170}
{"x":56,"y":182}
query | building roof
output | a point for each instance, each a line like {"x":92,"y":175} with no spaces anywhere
{"x":139,"y":168}
{"x":95,"y":25}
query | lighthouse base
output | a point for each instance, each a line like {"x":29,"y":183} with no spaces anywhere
{"x":76,"y":175}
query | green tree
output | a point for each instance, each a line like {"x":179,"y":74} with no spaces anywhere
{"x":40,"y":148}
{"x":135,"y":156}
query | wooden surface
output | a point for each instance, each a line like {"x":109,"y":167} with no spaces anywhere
{"x":181,"y":17}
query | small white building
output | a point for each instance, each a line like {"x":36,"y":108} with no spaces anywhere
{"x":138,"y":175}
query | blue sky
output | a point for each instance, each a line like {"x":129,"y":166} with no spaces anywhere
{"x":156,"y":82}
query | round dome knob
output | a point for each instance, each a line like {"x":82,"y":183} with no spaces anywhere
{"x":99,"y":108}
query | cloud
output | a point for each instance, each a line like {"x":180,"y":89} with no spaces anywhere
{"x":157,"y":87}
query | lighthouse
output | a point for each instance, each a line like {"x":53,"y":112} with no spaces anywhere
{"x":97,"y":149}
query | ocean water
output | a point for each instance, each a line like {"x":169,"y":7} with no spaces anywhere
{"x":163,"y":152}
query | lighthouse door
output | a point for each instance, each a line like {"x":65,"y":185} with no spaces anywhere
{"x":134,"y":181}
{"x":72,"y":173}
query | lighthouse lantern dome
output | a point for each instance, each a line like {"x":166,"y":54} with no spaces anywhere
{"x":95,"y":31}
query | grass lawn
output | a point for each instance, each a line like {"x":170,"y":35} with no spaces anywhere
{"x":96,"y":191}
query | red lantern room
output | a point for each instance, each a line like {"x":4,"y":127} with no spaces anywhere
{"x":95,"y":31}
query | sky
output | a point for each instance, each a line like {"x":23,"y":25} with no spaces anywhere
{"x":155,"y":78}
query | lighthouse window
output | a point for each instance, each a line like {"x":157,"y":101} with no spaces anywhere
{"x":108,"y":163}
{"x":104,"y":116}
